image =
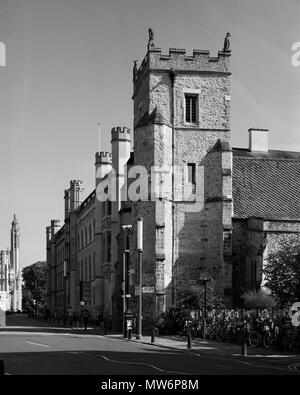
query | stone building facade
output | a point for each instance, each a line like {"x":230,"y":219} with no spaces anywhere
{"x":216,"y":217}
{"x":10,"y":271}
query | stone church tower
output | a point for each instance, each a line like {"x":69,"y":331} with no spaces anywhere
{"x":15,"y":274}
{"x":182,"y":122}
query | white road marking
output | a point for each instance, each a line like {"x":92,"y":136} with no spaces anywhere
{"x":141,"y":364}
{"x":262,"y":366}
{"x":295,"y":367}
{"x":266,"y":356}
{"x":38,"y":344}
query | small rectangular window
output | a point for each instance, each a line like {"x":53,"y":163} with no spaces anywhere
{"x":108,"y":207}
{"x":108,"y":246}
{"x":191,"y":108}
{"x":192,"y":173}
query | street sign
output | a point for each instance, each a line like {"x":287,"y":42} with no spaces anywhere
{"x":3,"y":300}
{"x":295,"y":311}
{"x":148,"y":290}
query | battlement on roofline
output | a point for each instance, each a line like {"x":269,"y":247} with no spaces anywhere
{"x":200,"y":61}
{"x":119,"y":133}
{"x":103,"y":157}
{"x":76,"y":183}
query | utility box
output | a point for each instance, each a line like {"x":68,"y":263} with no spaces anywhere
{"x":2,"y":318}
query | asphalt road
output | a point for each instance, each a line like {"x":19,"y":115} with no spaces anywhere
{"x":37,"y":349}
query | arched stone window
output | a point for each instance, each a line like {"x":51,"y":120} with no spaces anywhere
{"x":82,"y":245}
{"x":85,"y":270}
{"x":90,"y":233}
{"x":90,"y":268}
{"x":94,"y":264}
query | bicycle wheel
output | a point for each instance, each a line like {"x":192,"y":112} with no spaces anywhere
{"x":288,"y":343}
{"x":254,"y":339}
{"x":268,"y":340}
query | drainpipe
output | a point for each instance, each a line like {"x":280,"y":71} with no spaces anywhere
{"x":172,"y":75}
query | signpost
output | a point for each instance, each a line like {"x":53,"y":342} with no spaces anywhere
{"x":148,"y":290}
{"x":3,"y":307}
{"x":295,"y":313}
{"x":140,"y":252}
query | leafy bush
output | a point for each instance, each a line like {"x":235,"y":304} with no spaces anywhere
{"x":258,"y":299}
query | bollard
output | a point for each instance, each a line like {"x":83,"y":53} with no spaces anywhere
{"x":189,"y":340}
{"x":129,"y":334}
{"x":244,"y":347}
{"x":153,"y":336}
{"x":1,"y":367}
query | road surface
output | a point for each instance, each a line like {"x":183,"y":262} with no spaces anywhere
{"x":29,"y":347}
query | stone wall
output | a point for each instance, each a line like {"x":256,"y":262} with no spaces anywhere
{"x":253,"y":240}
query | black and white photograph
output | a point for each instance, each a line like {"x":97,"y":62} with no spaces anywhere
{"x":150,"y":192}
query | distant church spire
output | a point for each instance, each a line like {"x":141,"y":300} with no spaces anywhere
{"x":15,"y":277}
{"x":15,"y":221}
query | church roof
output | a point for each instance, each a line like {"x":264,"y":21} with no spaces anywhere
{"x":266,"y":184}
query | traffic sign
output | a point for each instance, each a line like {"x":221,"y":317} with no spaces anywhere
{"x":148,"y":290}
{"x":295,"y":310}
{"x":82,"y":303}
{"x":3,"y":300}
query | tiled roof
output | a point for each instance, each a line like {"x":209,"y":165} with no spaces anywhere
{"x":266,"y":185}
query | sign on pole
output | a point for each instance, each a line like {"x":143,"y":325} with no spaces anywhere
{"x":148,"y":290}
{"x":137,"y":290}
{"x":3,"y":300}
{"x":3,"y":307}
{"x":295,"y":312}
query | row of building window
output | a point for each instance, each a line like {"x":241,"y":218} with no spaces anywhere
{"x":86,"y":236}
{"x":87,"y":268}
{"x":60,"y":256}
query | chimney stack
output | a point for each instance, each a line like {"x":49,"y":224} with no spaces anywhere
{"x":54,"y":227}
{"x":258,"y":140}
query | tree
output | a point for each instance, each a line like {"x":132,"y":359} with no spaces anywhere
{"x":35,"y":285}
{"x":192,"y":296}
{"x":282,"y":271}
{"x":258,"y":299}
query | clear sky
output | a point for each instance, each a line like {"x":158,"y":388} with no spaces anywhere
{"x":69,"y":65}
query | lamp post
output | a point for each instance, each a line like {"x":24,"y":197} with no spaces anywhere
{"x":205,"y":280}
{"x":140,"y":251}
{"x":65,"y":292}
{"x":124,"y":294}
{"x":127,"y":314}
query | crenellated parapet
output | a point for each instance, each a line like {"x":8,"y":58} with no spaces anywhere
{"x":55,"y":223}
{"x":120,"y":134}
{"x":201,"y":62}
{"x":76,"y":184}
{"x":103,"y":157}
